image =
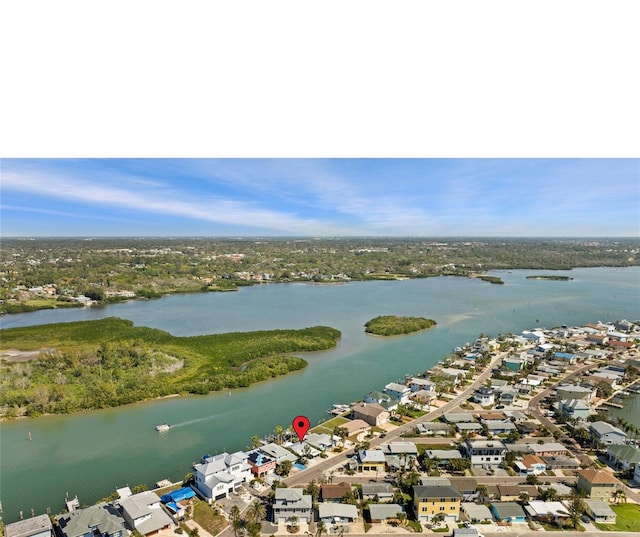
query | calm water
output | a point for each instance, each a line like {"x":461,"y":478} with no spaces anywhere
{"x":92,"y":453}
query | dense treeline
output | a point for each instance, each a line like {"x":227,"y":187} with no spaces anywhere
{"x":152,"y":267}
{"x":394,"y":325}
{"x":110,"y":362}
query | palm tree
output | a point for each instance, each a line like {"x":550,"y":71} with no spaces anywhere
{"x":236,"y":520}
{"x":320,"y":529}
{"x":256,"y":512}
{"x":483,"y":492}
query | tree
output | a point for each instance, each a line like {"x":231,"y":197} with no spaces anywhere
{"x":483,"y":493}
{"x":255,"y":441}
{"x":313,"y":490}
{"x":532,"y":480}
{"x":256,"y":512}
{"x":549,"y":495}
{"x":341,"y":432}
{"x":236,"y":520}
{"x":619,"y":496}
{"x":510,"y":458}
{"x":278,"y":434}
{"x":283,"y":468}
{"x":458,"y":465}
{"x":576,"y":508}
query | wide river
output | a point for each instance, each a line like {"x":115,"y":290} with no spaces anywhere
{"x":92,"y":453}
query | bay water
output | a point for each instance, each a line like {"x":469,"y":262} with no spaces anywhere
{"x":92,"y":453}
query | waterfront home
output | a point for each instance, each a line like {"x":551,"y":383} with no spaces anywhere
{"x":623,"y":456}
{"x":484,"y":396}
{"x":600,"y":511}
{"x":432,"y":428}
{"x":144,"y":513}
{"x":418,"y":385}
{"x":575,"y":391}
{"x":320,"y":441}
{"x":37,"y":526}
{"x":289,"y":503}
{"x":474,"y":512}
{"x":454,"y":375}
{"x":597,"y":484}
{"x":337,"y":513}
{"x":400,"y":392}
{"x":330,"y":492}
{"x":100,"y":520}
{"x":261,"y":464}
{"x":536,"y":336}
{"x":385,"y":512}
{"x":382,"y":492}
{"x":371,"y":460}
{"x":508,"y":512}
{"x":575,"y":409}
{"x":277,"y":452}
{"x":304,"y":450}
{"x":372,"y":413}
{"x":606,"y":433}
{"x":383,"y":399}
{"x":217,"y":476}
{"x":423,"y":397}
{"x":485,"y":453}
{"x":436,"y":501}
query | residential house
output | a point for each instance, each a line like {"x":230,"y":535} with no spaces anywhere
{"x":400,"y":392}
{"x":549,"y":449}
{"x":436,"y":501}
{"x":597,"y":484}
{"x":217,"y":476}
{"x":566,"y":356}
{"x":278,"y":453}
{"x":535,"y":336}
{"x":304,"y":450}
{"x":177,"y":501}
{"x":575,"y":391}
{"x":547,"y":511}
{"x":453,"y":375}
{"x":499,"y":426}
{"x":372,"y":413}
{"x":334,"y":493}
{"x":320,"y":441}
{"x":575,"y":408}
{"x":385,"y":512}
{"x":383,"y":399}
{"x":459,"y":417}
{"x":607,"y":434}
{"x":530,"y":465}
{"x":261,"y":464}
{"x":289,"y":503}
{"x":442,"y":456}
{"x":371,"y":460}
{"x":514,"y":363}
{"x":600,"y":511}
{"x":485,"y":453}
{"x":144,"y":513}
{"x":561,"y":463}
{"x":382,"y":492}
{"x":432,"y":428}
{"x":469,"y":428}
{"x":418,"y":384}
{"x":355,"y":426}
{"x":623,"y":456}
{"x":512,"y":493}
{"x":484,"y":396}
{"x":508,"y":512}
{"x":400,"y":455}
{"x":474,"y":512}
{"x":337,"y":513}
{"x":507,"y":396}
{"x":100,"y":520}
{"x":467,"y":487}
{"x":37,"y":526}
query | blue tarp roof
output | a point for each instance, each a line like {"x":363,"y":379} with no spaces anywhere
{"x":178,"y":495}
{"x":173,"y":506}
{"x":564,"y":355}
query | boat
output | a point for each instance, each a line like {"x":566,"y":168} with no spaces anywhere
{"x":163,"y":427}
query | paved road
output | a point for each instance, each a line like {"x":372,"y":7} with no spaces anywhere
{"x":318,"y":470}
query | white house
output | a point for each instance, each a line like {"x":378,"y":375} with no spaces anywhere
{"x":484,"y":396}
{"x":607,"y":433}
{"x":217,"y":476}
{"x":144,"y":513}
{"x":485,"y":452}
{"x":418,"y":384}
{"x":398,"y":391}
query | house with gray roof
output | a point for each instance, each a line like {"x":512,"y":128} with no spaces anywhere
{"x":382,"y":491}
{"x":606,"y":433}
{"x":382,"y":512}
{"x":432,"y":428}
{"x":508,"y":512}
{"x":443,"y":456}
{"x":290,"y":502}
{"x":37,"y":526}
{"x":599,"y":511}
{"x":459,"y":417}
{"x":474,"y":512}
{"x":217,"y":476}
{"x":144,"y":513}
{"x":100,"y":520}
{"x":278,"y":453}
{"x":575,"y":408}
{"x":337,"y":513}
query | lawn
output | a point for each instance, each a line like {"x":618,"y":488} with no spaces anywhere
{"x":329,"y":425}
{"x":204,"y":515}
{"x":628,"y":518}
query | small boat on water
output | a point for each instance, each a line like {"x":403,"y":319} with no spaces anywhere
{"x":163,"y":427}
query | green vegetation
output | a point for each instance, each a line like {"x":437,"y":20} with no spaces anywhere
{"x":627,"y":518}
{"x":393,"y":325}
{"x":55,"y":271}
{"x":558,"y":278}
{"x":111,"y":362}
{"x":207,"y":517}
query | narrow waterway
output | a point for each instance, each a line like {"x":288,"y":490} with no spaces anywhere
{"x":92,"y":453}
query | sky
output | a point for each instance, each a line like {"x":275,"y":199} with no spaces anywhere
{"x":320,"y":197}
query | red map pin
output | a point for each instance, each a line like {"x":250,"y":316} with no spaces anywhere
{"x":300,"y":426}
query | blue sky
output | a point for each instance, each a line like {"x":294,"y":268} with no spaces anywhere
{"x":320,"y":197}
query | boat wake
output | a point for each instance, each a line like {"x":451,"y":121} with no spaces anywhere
{"x":191,"y":422}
